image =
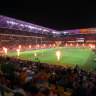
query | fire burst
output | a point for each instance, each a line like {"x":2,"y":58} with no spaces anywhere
{"x":5,"y":50}
{"x":58,"y":55}
{"x":18,"y":52}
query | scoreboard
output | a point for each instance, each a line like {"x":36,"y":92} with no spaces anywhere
{"x":80,"y":40}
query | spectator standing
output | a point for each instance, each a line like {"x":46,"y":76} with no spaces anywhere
{"x":8,"y":70}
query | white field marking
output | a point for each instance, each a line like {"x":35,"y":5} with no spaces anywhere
{"x":86,"y":58}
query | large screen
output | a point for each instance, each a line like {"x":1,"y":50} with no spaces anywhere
{"x":80,"y":40}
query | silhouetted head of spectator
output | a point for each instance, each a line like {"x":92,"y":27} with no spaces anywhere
{"x":30,"y":89}
{"x":44,"y":90}
{"x":8,"y":59}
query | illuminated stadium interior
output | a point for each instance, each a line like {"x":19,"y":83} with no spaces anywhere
{"x":15,"y":33}
{"x":50,"y":56}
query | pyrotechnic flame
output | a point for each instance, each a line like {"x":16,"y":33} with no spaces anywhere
{"x":58,"y":55}
{"x":18,"y":52}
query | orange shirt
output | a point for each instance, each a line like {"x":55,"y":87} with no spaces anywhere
{"x":23,"y":75}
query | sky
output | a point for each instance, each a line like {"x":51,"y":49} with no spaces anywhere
{"x":55,"y":15}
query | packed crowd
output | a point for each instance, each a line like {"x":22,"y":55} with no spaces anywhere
{"x":28,"y":75}
{"x":27,"y":43}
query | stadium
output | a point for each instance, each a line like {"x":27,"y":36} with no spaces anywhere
{"x":75,"y":45}
{"x":29,"y":43}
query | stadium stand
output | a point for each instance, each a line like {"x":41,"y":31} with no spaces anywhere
{"x":63,"y":81}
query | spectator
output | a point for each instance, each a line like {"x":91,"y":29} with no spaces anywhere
{"x":8,"y":70}
{"x":30,"y":90}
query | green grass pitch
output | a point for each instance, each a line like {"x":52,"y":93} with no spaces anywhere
{"x":70,"y":56}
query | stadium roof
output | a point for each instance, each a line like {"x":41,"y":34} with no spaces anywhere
{"x":18,"y":24}
{"x":22,"y":25}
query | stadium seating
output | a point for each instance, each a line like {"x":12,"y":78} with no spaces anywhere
{"x":41,"y":73}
